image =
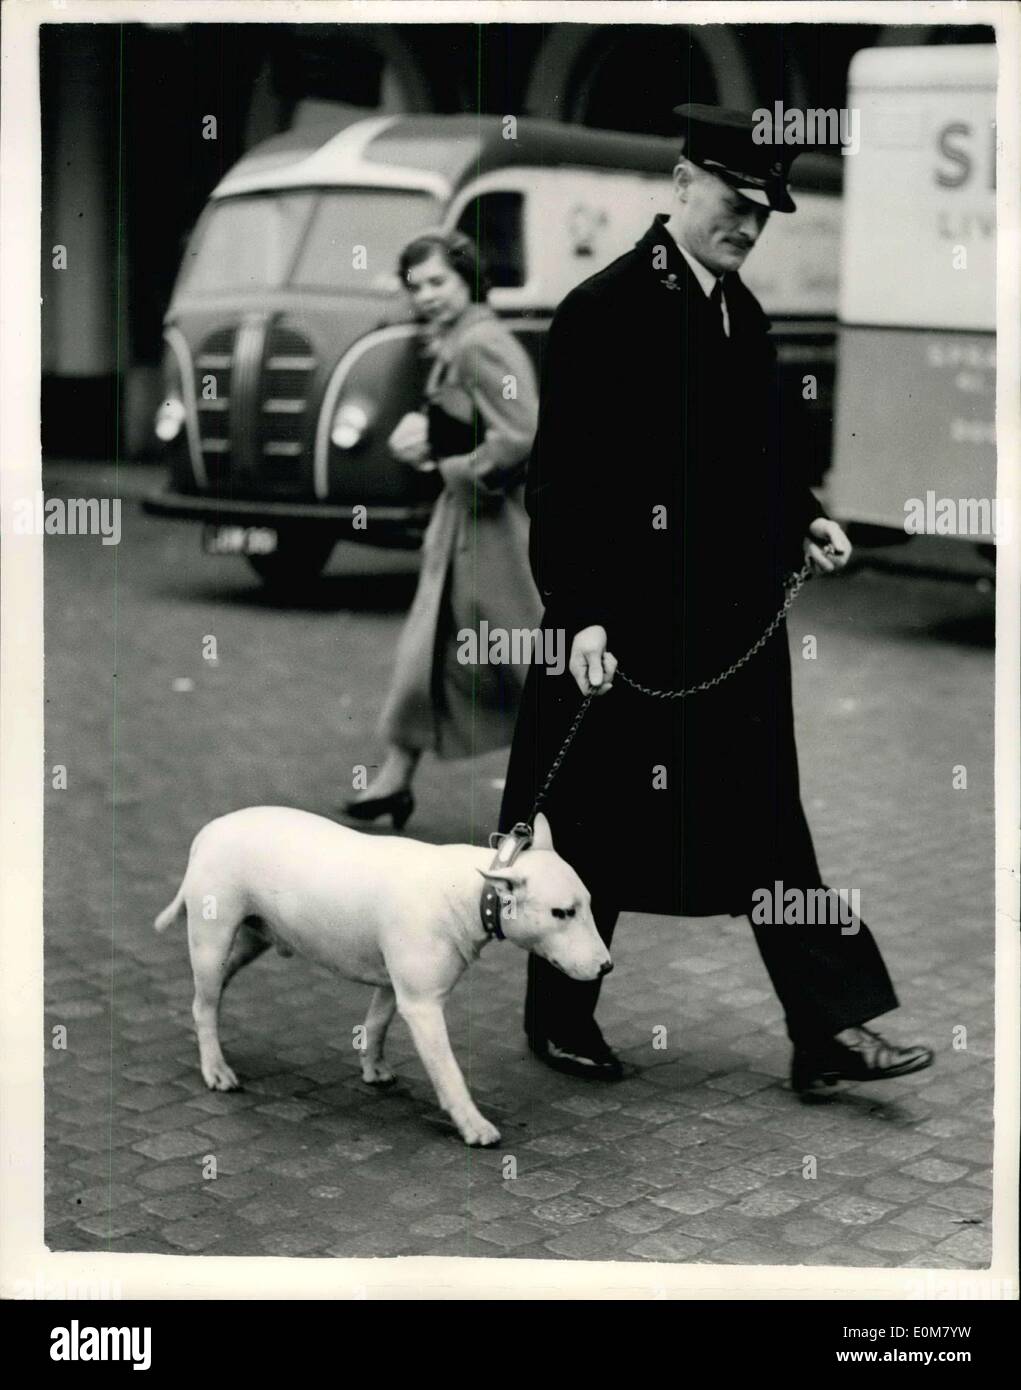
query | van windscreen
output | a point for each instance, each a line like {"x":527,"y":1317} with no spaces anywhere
{"x":356,"y":236}
{"x":247,"y":243}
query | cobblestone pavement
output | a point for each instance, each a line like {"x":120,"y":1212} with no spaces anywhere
{"x":701,"y":1155}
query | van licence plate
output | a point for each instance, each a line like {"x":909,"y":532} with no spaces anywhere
{"x":239,"y":540}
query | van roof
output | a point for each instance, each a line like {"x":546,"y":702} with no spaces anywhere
{"x":435,"y":153}
{"x":464,"y":146}
{"x":438,"y":154}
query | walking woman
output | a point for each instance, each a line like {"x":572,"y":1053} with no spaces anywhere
{"x":476,"y":429}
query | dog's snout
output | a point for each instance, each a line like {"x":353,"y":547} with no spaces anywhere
{"x":606,"y":968}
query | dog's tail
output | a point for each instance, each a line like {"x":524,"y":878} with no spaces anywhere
{"x":171,"y":911}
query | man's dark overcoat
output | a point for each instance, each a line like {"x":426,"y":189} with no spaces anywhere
{"x":663,"y":507}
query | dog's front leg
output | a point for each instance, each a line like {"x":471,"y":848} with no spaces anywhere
{"x":429,"y":1031}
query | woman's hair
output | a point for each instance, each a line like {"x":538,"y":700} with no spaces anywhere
{"x":459,"y":252}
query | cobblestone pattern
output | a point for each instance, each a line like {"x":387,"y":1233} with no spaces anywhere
{"x":700,"y":1155}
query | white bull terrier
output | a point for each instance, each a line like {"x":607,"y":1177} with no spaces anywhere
{"x":395,"y":913}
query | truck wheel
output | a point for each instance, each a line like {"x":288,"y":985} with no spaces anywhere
{"x":297,"y":561}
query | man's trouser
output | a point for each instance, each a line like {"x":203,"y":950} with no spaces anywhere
{"x":827,"y":977}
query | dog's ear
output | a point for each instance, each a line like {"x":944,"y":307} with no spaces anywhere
{"x":542,"y":836}
{"x":510,"y":882}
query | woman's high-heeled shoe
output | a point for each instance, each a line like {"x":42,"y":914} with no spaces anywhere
{"x":399,"y":804}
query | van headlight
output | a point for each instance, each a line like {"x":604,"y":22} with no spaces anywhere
{"x":349,"y":425}
{"x":170,"y":419}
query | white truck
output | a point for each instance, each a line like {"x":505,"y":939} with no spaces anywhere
{"x":914,"y":433}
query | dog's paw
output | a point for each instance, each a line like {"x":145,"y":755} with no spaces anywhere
{"x":218,"y":1076}
{"x":377,"y":1074}
{"x":480,"y":1134}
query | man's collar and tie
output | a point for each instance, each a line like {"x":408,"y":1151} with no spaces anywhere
{"x":705,"y":277}
{"x":711,"y":285}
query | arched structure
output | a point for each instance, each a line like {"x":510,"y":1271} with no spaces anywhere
{"x":630,"y":78}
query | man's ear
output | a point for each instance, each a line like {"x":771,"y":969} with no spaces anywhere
{"x":682,"y":177}
{"x":542,"y":836}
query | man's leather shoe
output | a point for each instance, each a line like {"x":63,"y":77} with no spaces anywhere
{"x":591,"y":1060}
{"x":856,"y":1054}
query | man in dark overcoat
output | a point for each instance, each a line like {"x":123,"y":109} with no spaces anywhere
{"x":666,"y":512}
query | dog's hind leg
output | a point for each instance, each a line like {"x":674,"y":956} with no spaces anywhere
{"x":211,"y":946}
{"x":382,"y":1008}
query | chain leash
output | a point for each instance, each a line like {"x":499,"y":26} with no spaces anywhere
{"x":575,"y":726}
{"x":796,"y":583}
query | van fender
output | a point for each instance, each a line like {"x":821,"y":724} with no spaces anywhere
{"x":321,"y":454}
{"x":178,"y":345}
{"x":395,"y":332}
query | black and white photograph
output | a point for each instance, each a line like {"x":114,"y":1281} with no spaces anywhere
{"x":526,"y":549}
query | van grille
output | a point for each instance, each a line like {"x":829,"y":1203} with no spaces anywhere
{"x":252,"y":384}
{"x":213,"y":371}
{"x":288,"y":367}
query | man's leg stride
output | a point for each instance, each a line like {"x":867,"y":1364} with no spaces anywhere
{"x":831,"y":979}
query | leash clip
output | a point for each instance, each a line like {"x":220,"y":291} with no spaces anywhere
{"x":508,"y":846}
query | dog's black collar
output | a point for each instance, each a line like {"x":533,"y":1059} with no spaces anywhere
{"x":489,"y":911}
{"x":508,"y":847}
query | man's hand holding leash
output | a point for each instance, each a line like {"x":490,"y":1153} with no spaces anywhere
{"x":591,"y":665}
{"x":826,"y":546}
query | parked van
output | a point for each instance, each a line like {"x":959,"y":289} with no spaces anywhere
{"x":291,"y":351}
{"x":915,"y":448}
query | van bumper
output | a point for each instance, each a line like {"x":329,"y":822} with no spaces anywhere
{"x":385,"y":525}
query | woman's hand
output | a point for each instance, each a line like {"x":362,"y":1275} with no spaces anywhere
{"x":827,"y":546}
{"x":409,"y":441}
{"x":455,"y":470}
{"x":591,"y":665}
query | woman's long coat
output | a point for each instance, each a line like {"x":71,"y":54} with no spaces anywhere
{"x":662,"y":508}
{"x":475,"y":565}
